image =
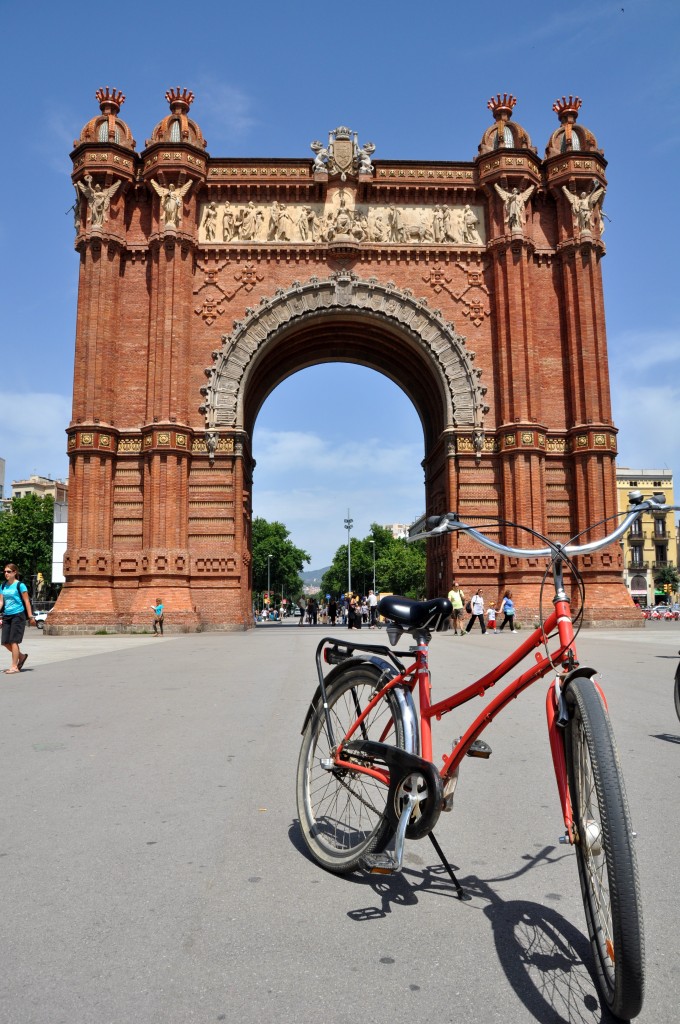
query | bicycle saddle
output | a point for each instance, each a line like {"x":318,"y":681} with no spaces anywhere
{"x":411,"y":615}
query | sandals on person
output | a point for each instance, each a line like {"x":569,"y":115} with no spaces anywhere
{"x":11,"y":671}
{"x":21,"y":662}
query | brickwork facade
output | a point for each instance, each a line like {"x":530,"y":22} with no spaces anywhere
{"x":205,"y":281}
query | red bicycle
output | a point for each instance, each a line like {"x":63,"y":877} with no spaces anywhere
{"x":366,"y":780}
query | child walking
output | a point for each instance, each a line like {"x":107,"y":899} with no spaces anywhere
{"x":158,"y":612}
{"x":491,"y":617}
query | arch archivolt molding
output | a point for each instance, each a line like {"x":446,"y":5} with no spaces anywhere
{"x":343,"y":291}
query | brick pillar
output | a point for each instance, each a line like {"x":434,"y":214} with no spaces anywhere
{"x":520,"y":428}
{"x":592,"y":436}
{"x":243,"y":485}
{"x":88,"y":599}
{"x":166,"y":564}
{"x":441,"y":495}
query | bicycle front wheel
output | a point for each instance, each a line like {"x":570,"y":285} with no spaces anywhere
{"x":341,"y":812}
{"x":606,"y":858}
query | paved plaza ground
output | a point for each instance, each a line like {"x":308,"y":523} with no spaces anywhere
{"x":151,"y":868}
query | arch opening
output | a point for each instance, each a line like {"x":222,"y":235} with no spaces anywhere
{"x":333,"y":436}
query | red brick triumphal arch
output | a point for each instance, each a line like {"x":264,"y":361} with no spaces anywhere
{"x":205,"y":281}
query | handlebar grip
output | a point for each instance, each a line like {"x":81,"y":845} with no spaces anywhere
{"x":440,"y":523}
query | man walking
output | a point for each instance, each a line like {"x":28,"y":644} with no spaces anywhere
{"x":457,"y":599}
{"x":372,"y":610}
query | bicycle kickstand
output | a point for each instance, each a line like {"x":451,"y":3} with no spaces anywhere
{"x":462,"y":895}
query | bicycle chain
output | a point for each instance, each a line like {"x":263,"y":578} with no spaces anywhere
{"x":361,"y":799}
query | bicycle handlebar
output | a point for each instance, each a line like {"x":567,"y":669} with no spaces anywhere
{"x":450,"y":523}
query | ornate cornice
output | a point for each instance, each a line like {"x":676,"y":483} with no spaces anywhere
{"x":151,"y":440}
{"x":506,"y":440}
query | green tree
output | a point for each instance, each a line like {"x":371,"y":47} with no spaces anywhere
{"x":667,"y":576}
{"x":286,"y":563}
{"x":26,"y":536}
{"x":399,"y":566}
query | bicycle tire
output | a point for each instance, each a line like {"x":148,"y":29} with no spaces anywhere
{"x":342,"y":815}
{"x":676,"y":691}
{"x":607,"y":863}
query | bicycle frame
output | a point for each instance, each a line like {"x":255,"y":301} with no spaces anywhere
{"x":563,"y":661}
{"x":417,"y":677}
{"x":361,"y":795}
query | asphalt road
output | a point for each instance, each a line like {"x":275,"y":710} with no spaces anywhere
{"x":151,"y":868}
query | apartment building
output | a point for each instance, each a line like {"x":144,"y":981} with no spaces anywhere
{"x":652,"y":543}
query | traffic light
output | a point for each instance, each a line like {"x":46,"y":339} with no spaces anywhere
{"x":667,"y":588}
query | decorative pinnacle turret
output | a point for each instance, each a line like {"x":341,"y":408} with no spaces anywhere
{"x":179,"y":101}
{"x":567,"y":109}
{"x":110,"y":100}
{"x":501,"y":106}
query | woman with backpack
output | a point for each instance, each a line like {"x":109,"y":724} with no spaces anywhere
{"x":16,"y":611}
{"x":508,"y":609}
{"x":476,"y":605}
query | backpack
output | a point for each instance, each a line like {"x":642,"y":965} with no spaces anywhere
{"x":468,"y":608}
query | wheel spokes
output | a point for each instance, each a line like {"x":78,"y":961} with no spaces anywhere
{"x":345,"y":809}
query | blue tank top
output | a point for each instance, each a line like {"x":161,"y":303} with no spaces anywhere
{"x":12,"y":592}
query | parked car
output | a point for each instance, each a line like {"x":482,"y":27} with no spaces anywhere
{"x":40,"y":619}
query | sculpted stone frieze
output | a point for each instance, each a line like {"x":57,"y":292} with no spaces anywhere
{"x":341,"y":219}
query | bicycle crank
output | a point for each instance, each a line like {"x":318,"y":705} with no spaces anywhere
{"x":389,"y":863}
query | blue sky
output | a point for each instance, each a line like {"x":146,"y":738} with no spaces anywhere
{"x":413,"y":78}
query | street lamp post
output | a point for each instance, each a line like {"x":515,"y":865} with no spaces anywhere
{"x":269,"y":588}
{"x":348,"y":526}
{"x":373,"y":543}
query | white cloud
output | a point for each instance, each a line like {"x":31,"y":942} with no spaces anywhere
{"x":225,"y":111}
{"x":279,"y":452}
{"x":32,"y":434}
{"x":645,"y":385}
{"x":632,"y":353}
{"x":648,"y":419}
{"x":582,"y":26}
{"x":308,"y":483}
{"x":55,"y":142}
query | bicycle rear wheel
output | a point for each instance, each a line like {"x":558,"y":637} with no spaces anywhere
{"x":677,"y":690}
{"x":342,"y":813}
{"x":606,"y":858}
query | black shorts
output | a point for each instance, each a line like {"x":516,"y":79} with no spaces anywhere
{"x":13,"y":627}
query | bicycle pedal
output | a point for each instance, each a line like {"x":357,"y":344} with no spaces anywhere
{"x":479,"y":749}
{"x":381,"y":864}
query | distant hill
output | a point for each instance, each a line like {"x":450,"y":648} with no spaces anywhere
{"x":312,"y":578}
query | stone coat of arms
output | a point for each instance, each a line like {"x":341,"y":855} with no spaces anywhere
{"x":343,"y":155}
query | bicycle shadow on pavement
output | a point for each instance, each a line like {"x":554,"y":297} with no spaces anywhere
{"x":547,"y":960}
{"x":667,"y":737}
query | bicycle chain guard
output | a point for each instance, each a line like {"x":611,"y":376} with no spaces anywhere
{"x":402,"y":765}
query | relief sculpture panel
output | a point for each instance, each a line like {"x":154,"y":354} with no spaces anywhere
{"x":340,"y":219}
